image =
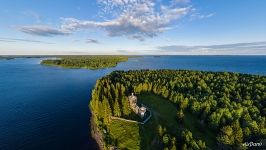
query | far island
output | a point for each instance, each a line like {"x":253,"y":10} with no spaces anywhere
{"x":87,"y":62}
{"x":6,"y":57}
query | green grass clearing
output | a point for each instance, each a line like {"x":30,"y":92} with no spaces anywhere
{"x":136,"y":136}
{"x":126,"y":134}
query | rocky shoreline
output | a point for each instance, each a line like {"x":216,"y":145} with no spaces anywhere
{"x":96,"y":134}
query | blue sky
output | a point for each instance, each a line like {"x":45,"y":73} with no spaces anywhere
{"x":182,"y":27}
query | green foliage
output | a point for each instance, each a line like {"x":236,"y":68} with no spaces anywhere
{"x":190,"y":142}
{"x":89,"y":62}
{"x":180,"y":115}
{"x":229,"y":107}
{"x":226,"y":136}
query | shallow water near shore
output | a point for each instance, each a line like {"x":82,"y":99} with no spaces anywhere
{"x":43,"y":107}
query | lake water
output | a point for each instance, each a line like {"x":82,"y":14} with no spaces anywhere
{"x":46,"y":108}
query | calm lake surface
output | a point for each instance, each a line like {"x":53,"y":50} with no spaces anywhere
{"x":46,"y":108}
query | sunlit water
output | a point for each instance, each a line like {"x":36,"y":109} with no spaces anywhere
{"x":46,"y":108}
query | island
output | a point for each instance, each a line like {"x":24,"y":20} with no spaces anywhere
{"x":87,"y":62}
{"x":6,"y":57}
{"x":187,"y":110}
{"x":10,"y":57}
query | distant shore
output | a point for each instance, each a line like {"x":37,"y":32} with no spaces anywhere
{"x":86,"y":62}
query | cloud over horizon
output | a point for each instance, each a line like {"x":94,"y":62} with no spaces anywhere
{"x":3,"y":39}
{"x":237,"y":48}
{"x":42,"y":30}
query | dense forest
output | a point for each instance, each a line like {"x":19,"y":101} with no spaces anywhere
{"x":212,"y":110}
{"x":89,"y":62}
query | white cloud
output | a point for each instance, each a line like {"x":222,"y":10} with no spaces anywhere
{"x":134,"y":19}
{"x":201,"y":16}
{"x":94,"y":41}
{"x":42,"y":30}
{"x":138,"y":19}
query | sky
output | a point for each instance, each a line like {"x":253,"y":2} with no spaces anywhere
{"x":133,"y":27}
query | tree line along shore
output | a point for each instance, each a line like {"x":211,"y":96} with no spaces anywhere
{"x":88,"y":62}
{"x":191,"y":109}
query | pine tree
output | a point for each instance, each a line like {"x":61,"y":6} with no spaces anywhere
{"x":107,"y":110}
{"x":180,"y":115}
{"x":160,"y":131}
{"x":117,"y":111}
{"x":125,"y":105}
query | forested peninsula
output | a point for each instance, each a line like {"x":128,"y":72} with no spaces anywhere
{"x":190,"y":110}
{"x":87,"y":62}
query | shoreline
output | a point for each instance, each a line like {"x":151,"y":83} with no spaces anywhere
{"x":95,"y":134}
{"x":86,"y":62}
